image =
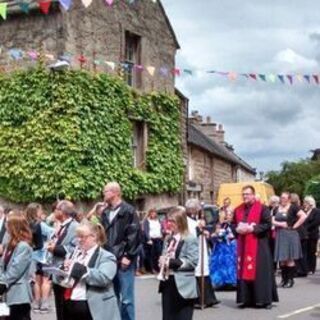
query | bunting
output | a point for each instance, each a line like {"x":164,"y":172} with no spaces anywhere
{"x":163,"y":71}
{"x":3,"y":10}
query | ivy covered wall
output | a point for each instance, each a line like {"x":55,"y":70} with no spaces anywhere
{"x":67,"y":133}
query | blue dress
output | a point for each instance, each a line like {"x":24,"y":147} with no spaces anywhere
{"x":223,"y":259}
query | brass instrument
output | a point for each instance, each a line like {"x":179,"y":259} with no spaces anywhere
{"x":66,"y":281}
{"x":168,"y":253}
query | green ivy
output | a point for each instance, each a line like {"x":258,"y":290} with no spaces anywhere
{"x":65,"y":134}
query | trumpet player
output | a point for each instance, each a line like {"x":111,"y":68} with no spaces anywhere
{"x":62,"y":244}
{"x":92,"y":268}
{"x":178,"y":286}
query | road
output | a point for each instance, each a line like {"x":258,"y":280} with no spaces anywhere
{"x":299,"y":303}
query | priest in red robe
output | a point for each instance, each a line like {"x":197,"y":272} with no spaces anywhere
{"x":256,"y":285}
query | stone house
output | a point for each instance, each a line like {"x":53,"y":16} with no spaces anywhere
{"x":138,"y":38}
{"x":211,"y":161}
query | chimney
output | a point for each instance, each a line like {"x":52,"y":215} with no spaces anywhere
{"x":220,"y":134}
{"x":195,"y":118}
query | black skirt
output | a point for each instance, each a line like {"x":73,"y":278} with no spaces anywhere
{"x":174,"y":306}
{"x":209,"y":298}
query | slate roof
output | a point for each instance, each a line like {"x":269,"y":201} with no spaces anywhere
{"x":199,"y":139}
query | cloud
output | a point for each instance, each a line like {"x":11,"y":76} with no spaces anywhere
{"x":267,"y":123}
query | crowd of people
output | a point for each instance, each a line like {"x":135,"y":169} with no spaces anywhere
{"x":90,"y":261}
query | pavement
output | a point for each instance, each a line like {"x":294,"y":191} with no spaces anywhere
{"x":302,"y":302}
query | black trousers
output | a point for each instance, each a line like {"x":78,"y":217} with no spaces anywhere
{"x":302,"y":264}
{"x":174,"y":307}
{"x":58,"y":293}
{"x":20,"y":312}
{"x":77,"y":310}
{"x":311,"y":255}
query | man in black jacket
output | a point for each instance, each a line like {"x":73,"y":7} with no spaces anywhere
{"x":123,"y":239}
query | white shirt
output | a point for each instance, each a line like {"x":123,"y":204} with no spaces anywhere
{"x":113,"y":214}
{"x":1,"y":222}
{"x":192,"y":226}
{"x":154,"y":228}
{"x":79,"y":292}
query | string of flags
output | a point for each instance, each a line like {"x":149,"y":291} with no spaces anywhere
{"x":16,"y":54}
{"x":44,"y":5}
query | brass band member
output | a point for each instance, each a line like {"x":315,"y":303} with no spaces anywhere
{"x":15,"y":267}
{"x":179,"y":291}
{"x":62,"y":244}
{"x":92,"y":295}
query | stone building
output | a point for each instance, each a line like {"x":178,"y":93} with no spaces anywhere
{"x":135,"y":41}
{"x":211,"y":161}
{"x":135,"y":35}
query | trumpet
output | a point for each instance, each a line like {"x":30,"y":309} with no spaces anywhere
{"x":67,"y":281}
{"x":168,"y":253}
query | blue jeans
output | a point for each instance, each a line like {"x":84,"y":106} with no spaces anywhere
{"x":124,"y":289}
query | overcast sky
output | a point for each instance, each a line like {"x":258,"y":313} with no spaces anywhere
{"x":266,"y":123}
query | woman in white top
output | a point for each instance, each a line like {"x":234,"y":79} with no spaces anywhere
{"x":153,"y":240}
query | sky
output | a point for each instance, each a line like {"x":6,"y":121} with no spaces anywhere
{"x":267,"y":123}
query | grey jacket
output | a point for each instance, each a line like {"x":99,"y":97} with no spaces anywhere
{"x":184,"y":276}
{"x":64,"y":246}
{"x":16,"y":275}
{"x":100,"y":293}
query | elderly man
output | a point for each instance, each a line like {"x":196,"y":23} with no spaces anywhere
{"x":62,"y":244}
{"x":122,"y":227}
{"x":197,"y":226}
{"x":256,"y":284}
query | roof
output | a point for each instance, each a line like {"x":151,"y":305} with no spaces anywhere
{"x":199,"y":139}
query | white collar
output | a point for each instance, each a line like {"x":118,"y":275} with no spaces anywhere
{"x":64,"y":223}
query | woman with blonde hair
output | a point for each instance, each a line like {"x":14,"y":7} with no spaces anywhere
{"x":92,"y":269}
{"x":180,"y":256}
{"x":15,"y":267}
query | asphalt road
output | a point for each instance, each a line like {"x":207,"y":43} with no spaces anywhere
{"x":299,"y":303}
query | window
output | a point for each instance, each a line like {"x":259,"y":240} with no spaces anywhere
{"x":132,"y":57}
{"x":139,"y":144}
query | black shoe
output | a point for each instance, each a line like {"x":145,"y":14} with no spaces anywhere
{"x":268,"y":306}
{"x":289,"y":284}
{"x":245,"y":305}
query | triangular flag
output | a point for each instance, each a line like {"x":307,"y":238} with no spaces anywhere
{"x":244,"y":75}
{"x":24,"y":6}
{"x":66,"y":4}
{"x":86,"y":3}
{"x":272,"y":77}
{"x":263,"y":77}
{"x":33,"y":55}
{"x":232,"y":76}
{"x":211,"y":71}
{"x":110,"y":64}
{"x":307,"y":77}
{"x":253,"y":76}
{"x":109,"y":2}
{"x":45,"y":6}
{"x":281,"y":78}
{"x":176,"y":72}
{"x":82,"y":59}
{"x":316,"y":78}
{"x":290,"y":78}
{"x":15,"y":54}
{"x":151,"y":70}
{"x":49,"y":56}
{"x":299,"y":77}
{"x":138,"y":67}
{"x":187,"y":71}
{"x":3,"y":10}
{"x":164,"y":71}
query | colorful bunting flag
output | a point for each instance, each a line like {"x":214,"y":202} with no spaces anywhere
{"x":66,"y":4}
{"x":281,"y":78}
{"x":176,"y":72}
{"x":316,"y":78}
{"x":232,"y":76}
{"x":24,"y":6}
{"x":110,"y":64}
{"x":188,"y":71}
{"x":272,"y":77}
{"x":253,"y":76}
{"x":16,"y":54}
{"x":45,"y":6}
{"x":86,"y":3}
{"x":263,"y":77}
{"x":109,"y":2}
{"x":151,"y":70}
{"x":307,"y":77}
{"x":290,"y":78}
{"x":3,"y":10}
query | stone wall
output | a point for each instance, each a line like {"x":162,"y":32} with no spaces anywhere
{"x":209,"y":172}
{"x":98,"y":33}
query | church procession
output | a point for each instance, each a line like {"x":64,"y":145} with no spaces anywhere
{"x":121,"y":195}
